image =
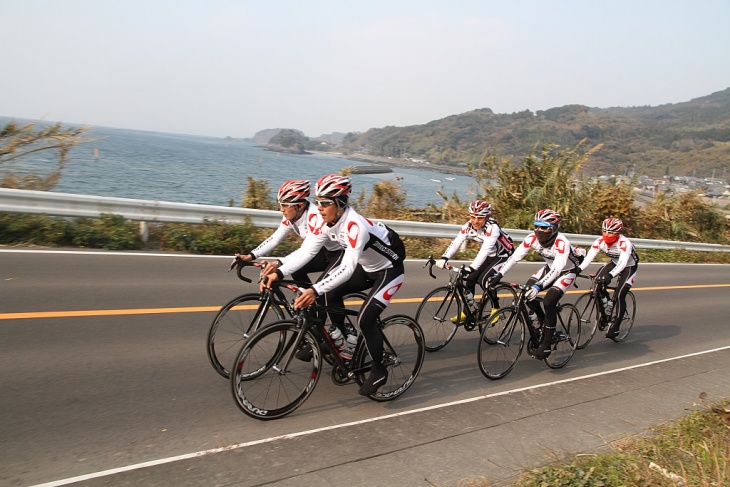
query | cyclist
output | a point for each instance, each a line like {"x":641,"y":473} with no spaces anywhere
{"x":372,"y":259}
{"x":496,"y":247}
{"x":302,"y":218}
{"x":624,"y":264}
{"x":556,"y":276}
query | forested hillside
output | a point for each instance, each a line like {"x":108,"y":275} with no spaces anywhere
{"x":690,"y":138}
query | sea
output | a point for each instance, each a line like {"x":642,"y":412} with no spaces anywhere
{"x":159,"y":166}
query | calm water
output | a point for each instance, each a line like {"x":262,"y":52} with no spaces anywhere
{"x":208,"y":170}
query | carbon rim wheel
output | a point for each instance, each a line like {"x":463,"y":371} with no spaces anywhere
{"x":232,"y":325}
{"x":588,"y":312}
{"x":627,"y":322}
{"x":267,"y":381}
{"x":565,"y":337}
{"x":435,"y":315}
{"x":500,"y":345}
{"x":403,"y":352}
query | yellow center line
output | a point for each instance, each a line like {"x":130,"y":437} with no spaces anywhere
{"x":209,"y":309}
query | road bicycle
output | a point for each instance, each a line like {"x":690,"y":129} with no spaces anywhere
{"x":445,"y":309}
{"x":502,"y":341}
{"x":594,"y":314}
{"x":269,"y":380}
{"x":241,"y":316}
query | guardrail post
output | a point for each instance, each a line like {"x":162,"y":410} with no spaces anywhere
{"x":144,"y":231}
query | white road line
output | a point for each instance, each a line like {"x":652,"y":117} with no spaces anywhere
{"x":237,"y":446}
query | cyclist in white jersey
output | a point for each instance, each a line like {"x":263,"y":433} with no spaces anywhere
{"x":372,"y":259}
{"x":624,"y":265}
{"x":495,"y":248}
{"x":300,"y":217}
{"x":556,"y":276}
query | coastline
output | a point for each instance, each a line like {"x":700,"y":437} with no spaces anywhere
{"x":387,"y":161}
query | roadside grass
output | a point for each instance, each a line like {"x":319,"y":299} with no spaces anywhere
{"x":693,"y":451}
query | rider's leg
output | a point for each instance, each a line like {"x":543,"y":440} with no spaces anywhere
{"x":624,"y":283}
{"x":386,"y":284}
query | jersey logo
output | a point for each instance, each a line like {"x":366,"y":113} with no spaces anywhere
{"x":560,"y":246}
{"x":312,"y":223}
{"x":530,"y":240}
{"x":353,"y":233}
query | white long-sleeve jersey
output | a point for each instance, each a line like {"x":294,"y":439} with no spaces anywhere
{"x":494,"y":242}
{"x":306,"y":223}
{"x":621,"y":252}
{"x":559,"y":257}
{"x":353,"y":233}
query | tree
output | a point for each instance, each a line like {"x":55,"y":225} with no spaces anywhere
{"x":257,"y":195}
{"x":548,"y":179}
{"x":19,"y":141}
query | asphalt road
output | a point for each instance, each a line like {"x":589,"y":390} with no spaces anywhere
{"x":104,"y":380}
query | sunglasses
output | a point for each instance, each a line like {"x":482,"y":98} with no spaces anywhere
{"x":610,"y":233}
{"x":288,"y":205}
{"x":324,"y":203}
{"x":543,"y":229}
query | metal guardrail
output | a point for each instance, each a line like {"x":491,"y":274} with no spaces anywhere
{"x":151,"y":211}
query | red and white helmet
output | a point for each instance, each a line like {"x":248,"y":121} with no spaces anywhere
{"x":548,"y":217}
{"x":612,"y":225}
{"x":293,"y":191}
{"x":333,"y":186}
{"x":480,"y":209}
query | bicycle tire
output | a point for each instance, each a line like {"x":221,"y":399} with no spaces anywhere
{"x":404,"y":350}
{"x":627,"y":322}
{"x":565,"y":337}
{"x":498,"y":355}
{"x":434,"y":317}
{"x":589,"y":319}
{"x":487,"y":309}
{"x":232,"y":325}
{"x":267,"y":380}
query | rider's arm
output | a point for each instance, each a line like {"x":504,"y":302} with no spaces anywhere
{"x":457,"y":242}
{"x":625,"y":247}
{"x":562,"y":250}
{"x":519,"y":253}
{"x":591,"y":254}
{"x":300,"y":257}
{"x":491,"y":234}
{"x":265,"y":247}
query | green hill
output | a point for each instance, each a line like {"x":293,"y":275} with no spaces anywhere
{"x":690,"y":138}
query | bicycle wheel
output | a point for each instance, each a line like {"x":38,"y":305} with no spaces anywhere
{"x":565,"y":337}
{"x":589,"y":319}
{"x":404,"y":349}
{"x":506,"y":293}
{"x":267,"y":380}
{"x":498,"y":354}
{"x":233,"y":324}
{"x":434,"y":317}
{"x":627,"y":321}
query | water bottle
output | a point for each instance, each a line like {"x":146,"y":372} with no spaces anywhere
{"x":604,"y":301}
{"x":469,"y":298}
{"x":533,"y":317}
{"x":337,"y":339}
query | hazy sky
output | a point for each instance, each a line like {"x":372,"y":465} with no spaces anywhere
{"x":234,"y":67}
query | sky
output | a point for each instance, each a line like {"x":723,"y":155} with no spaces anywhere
{"x":235,"y":67}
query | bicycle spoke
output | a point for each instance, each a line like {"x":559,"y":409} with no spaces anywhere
{"x":627,"y":321}
{"x":435,"y":315}
{"x":267,"y":381}
{"x":589,"y":319}
{"x":565,"y":337}
{"x":501,"y":345}
{"x":403,"y":354}
{"x":233,"y":324}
